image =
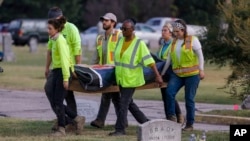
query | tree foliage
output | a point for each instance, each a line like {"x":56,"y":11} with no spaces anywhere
{"x":199,"y":12}
{"x":231,"y":44}
{"x":85,"y":13}
{"x":13,"y":9}
{"x":141,"y":10}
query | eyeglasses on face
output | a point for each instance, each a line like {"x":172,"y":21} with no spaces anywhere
{"x":124,"y":28}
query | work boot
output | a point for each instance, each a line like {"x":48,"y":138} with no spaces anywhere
{"x":172,"y":118}
{"x":80,"y":121}
{"x":55,"y":126}
{"x":97,"y":123}
{"x":188,"y":128}
{"x":116,"y":133}
{"x":71,"y":127}
{"x":59,"y":133}
{"x":126,"y":125}
{"x":180,"y":119}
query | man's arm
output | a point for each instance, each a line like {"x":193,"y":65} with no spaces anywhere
{"x":76,"y":43}
{"x":78,"y":59}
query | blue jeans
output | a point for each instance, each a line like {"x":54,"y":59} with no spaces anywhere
{"x":166,"y":78}
{"x":174,"y":85}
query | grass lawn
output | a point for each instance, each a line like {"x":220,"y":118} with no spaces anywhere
{"x":24,"y":130}
{"x":239,"y":113}
{"x":27,"y":73}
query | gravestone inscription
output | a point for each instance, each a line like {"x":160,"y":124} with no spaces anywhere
{"x":87,"y":108}
{"x":159,"y":130}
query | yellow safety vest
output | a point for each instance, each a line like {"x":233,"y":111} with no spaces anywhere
{"x":187,"y":64}
{"x":110,"y":48}
{"x":164,"y":57}
{"x":129,"y":66}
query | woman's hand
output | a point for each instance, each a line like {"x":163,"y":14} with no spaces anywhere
{"x":74,"y":74}
{"x":66,"y":85}
{"x":202,"y":74}
{"x":46,"y":73}
{"x":159,"y":80}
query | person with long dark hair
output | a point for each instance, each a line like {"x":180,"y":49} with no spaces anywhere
{"x":72,"y":36}
{"x":61,"y":67}
{"x":187,"y":61}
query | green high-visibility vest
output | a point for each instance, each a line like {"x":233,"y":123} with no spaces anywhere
{"x":187,"y":64}
{"x":164,"y":56}
{"x":129,"y":65}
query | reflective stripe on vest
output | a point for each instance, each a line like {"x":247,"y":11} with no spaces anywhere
{"x":164,"y":57}
{"x":186,"y":70}
{"x":181,"y":68}
{"x":131,"y":63}
{"x":110,"y":47}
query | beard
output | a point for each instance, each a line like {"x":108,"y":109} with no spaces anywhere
{"x":106,"y":27}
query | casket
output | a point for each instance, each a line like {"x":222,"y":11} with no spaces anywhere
{"x":101,"y":78}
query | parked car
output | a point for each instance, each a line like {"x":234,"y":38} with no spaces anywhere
{"x":143,"y":31}
{"x":158,"y":22}
{"x":27,"y":31}
{"x":88,"y":37}
{"x":146,"y":33}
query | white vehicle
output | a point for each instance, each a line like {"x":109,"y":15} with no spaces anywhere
{"x":158,"y":22}
{"x":88,"y":37}
{"x":143,"y":31}
{"x":146,"y":33}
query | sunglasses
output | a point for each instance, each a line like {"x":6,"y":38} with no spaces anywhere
{"x":124,"y":28}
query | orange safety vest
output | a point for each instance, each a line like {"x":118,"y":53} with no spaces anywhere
{"x":110,"y":48}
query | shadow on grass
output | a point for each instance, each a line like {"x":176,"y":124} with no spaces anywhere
{"x":15,"y":129}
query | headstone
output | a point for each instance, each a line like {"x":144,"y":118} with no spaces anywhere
{"x":87,"y":108}
{"x":7,"y":47}
{"x":159,"y":130}
{"x":246,"y":103}
{"x":33,"y":44}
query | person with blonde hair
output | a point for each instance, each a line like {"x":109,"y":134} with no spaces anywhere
{"x":167,"y":32}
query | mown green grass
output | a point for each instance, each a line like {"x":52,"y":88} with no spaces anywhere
{"x":27,"y":73}
{"x":24,"y":130}
{"x":237,"y":113}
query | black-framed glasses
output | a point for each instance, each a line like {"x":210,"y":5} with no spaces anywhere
{"x":124,"y":28}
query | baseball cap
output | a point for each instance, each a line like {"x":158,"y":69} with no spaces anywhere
{"x":109,"y":16}
{"x":54,"y":12}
